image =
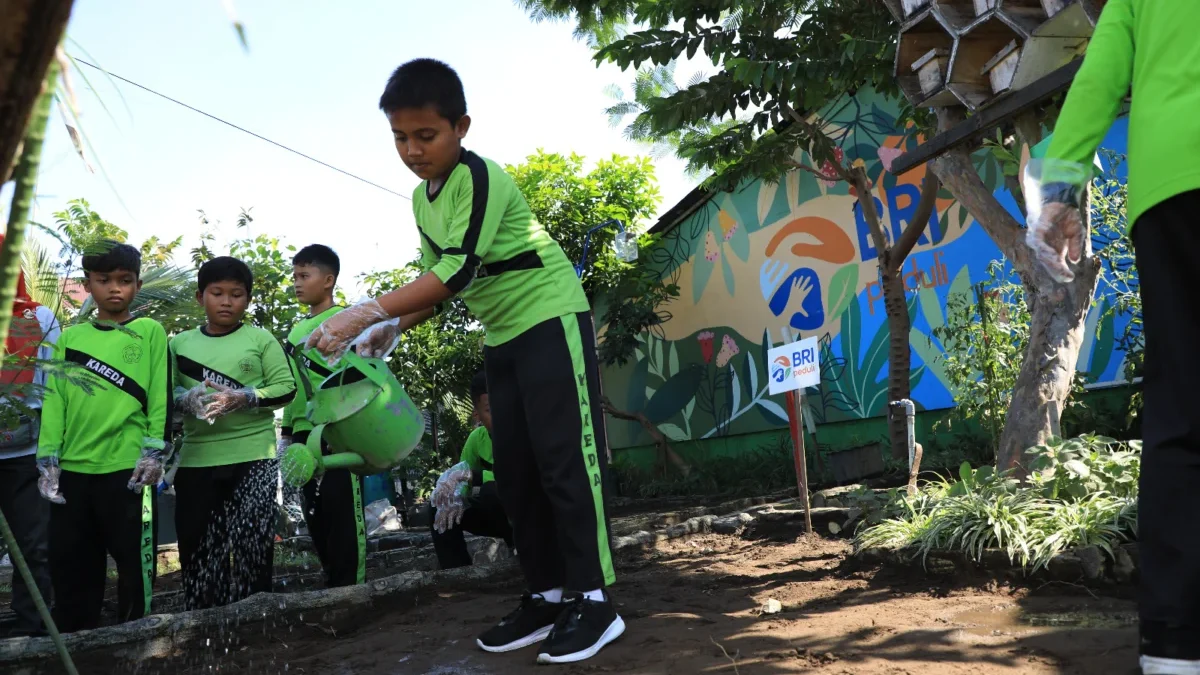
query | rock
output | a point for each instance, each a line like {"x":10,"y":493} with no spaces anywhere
{"x":1065,"y":567}
{"x":731,"y":525}
{"x":1092,"y":561}
{"x":940,"y":567}
{"x":1123,"y":567}
{"x":773,"y":606}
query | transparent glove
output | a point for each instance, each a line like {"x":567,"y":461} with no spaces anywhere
{"x":149,"y":469}
{"x":379,"y":340}
{"x":48,"y":480}
{"x":191,"y":401}
{"x":449,"y":486}
{"x":449,"y":517}
{"x":226,"y":400}
{"x":333,"y":337}
{"x":282,"y":445}
{"x":1056,"y":231}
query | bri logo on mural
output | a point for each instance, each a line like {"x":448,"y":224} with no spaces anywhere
{"x":783,"y":365}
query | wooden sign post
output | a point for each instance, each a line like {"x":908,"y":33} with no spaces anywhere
{"x":795,"y":410}
{"x":791,"y":369}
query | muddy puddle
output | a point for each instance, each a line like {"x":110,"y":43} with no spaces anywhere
{"x":1002,"y":620}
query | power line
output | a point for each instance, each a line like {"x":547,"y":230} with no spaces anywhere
{"x":241,"y":129}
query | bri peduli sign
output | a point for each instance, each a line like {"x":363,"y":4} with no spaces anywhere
{"x":794,"y":366}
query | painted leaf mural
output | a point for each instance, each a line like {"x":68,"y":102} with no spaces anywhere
{"x":797,"y":260}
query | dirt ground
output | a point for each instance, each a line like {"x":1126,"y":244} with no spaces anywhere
{"x":695,"y":606}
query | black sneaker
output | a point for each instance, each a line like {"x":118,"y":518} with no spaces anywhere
{"x":583,"y":628}
{"x":527,"y":625}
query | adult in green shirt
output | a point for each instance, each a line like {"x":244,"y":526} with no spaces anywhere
{"x":103,"y":446}
{"x":479,"y":241}
{"x":230,"y":378}
{"x":483,"y":512}
{"x":1151,"y":48}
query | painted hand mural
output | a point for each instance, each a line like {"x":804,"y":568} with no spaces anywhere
{"x":796,"y":260}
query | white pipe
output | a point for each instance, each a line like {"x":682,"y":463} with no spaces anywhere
{"x":910,"y":414}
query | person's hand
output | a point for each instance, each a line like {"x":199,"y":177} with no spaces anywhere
{"x":449,"y":486}
{"x":333,"y":337}
{"x":48,"y":479}
{"x":1057,"y":238}
{"x":379,"y":340}
{"x":149,"y":470}
{"x":191,"y":401}
{"x":449,"y":517}
{"x":801,"y":288}
{"x":226,"y":400}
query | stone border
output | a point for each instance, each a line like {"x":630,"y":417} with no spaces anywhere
{"x":1087,"y":564}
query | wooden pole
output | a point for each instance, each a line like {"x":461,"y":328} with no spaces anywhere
{"x":795,"y":402}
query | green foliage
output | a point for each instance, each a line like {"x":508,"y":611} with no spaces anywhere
{"x":760,"y":471}
{"x":1086,"y":495}
{"x":772,"y":56}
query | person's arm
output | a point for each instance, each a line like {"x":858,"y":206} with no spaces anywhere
{"x":51,"y":330}
{"x":159,"y":392}
{"x":279,"y":387}
{"x":1094,"y":99}
{"x":54,"y":411}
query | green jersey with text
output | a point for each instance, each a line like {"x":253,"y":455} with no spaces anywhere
{"x":481,"y":240}
{"x":314,"y":367}
{"x":102,"y":426}
{"x":248,"y":357}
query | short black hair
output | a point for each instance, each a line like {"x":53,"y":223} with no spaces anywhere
{"x":112,"y":256}
{"x":319,"y":255}
{"x":423,"y":82}
{"x":225,"y":268}
{"x":478,"y":386}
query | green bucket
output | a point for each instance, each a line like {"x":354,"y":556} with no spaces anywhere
{"x":363,"y":415}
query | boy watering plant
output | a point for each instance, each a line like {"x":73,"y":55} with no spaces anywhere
{"x":1149,"y":47}
{"x":480,"y":241}
{"x":229,"y":378}
{"x":471,"y":500}
{"x":332,"y":507}
{"x":103,"y":445}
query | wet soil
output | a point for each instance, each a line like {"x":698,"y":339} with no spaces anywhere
{"x":697,"y":606}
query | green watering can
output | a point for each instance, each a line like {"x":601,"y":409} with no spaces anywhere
{"x":363,"y":415}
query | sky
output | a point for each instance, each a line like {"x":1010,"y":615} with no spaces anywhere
{"x":310,"y":80}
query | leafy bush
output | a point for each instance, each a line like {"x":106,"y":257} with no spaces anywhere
{"x":1085,"y":494}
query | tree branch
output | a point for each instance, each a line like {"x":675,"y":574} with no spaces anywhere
{"x":908,"y":239}
{"x":660,"y":439}
{"x":957,"y":172}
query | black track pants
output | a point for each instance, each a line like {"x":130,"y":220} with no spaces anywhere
{"x":29,"y":517}
{"x":333,"y":512}
{"x":1166,"y":239}
{"x":549,"y":450}
{"x":225,"y":518}
{"x":484,"y":516}
{"x":101,"y":515}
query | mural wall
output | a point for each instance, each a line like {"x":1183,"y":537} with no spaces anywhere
{"x":767,"y":264}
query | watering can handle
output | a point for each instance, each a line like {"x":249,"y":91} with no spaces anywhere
{"x":366,"y":369}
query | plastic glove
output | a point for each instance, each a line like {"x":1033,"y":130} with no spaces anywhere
{"x":379,"y":340}
{"x":282,"y":445}
{"x":149,"y":469}
{"x":449,"y":486}
{"x":48,"y":480}
{"x":333,"y":337}
{"x":1056,"y":231}
{"x":190,"y":401}
{"x":226,"y":400}
{"x":449,"y":517}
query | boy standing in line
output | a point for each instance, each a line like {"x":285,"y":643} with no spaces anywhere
{"x":480,"y":511}
{"x":229,"y":378}
{"x":480,"y":240}
{"x":103,"y":444}
{"x":333,"y":511}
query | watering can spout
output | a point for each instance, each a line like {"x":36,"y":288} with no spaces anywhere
{"x":300,"y":464}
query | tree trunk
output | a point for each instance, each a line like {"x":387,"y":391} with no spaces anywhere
{"x":29,"y":33}
{"x":665,"y":452}
{"x":1058,"y":312}
{"x":899,"y":358}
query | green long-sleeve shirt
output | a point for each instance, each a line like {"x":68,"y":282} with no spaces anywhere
{"x":246,"y":358}
{"x":294,"y":420}
{"x":128,"y":407}
{"x":477,"y":453}
{"x":1151,"y":46}
{"x":480,"y":239}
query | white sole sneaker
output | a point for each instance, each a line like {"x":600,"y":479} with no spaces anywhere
{"x":1153,"y":665}
{"x":614,"y":631}
{"x":528,"y":641}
